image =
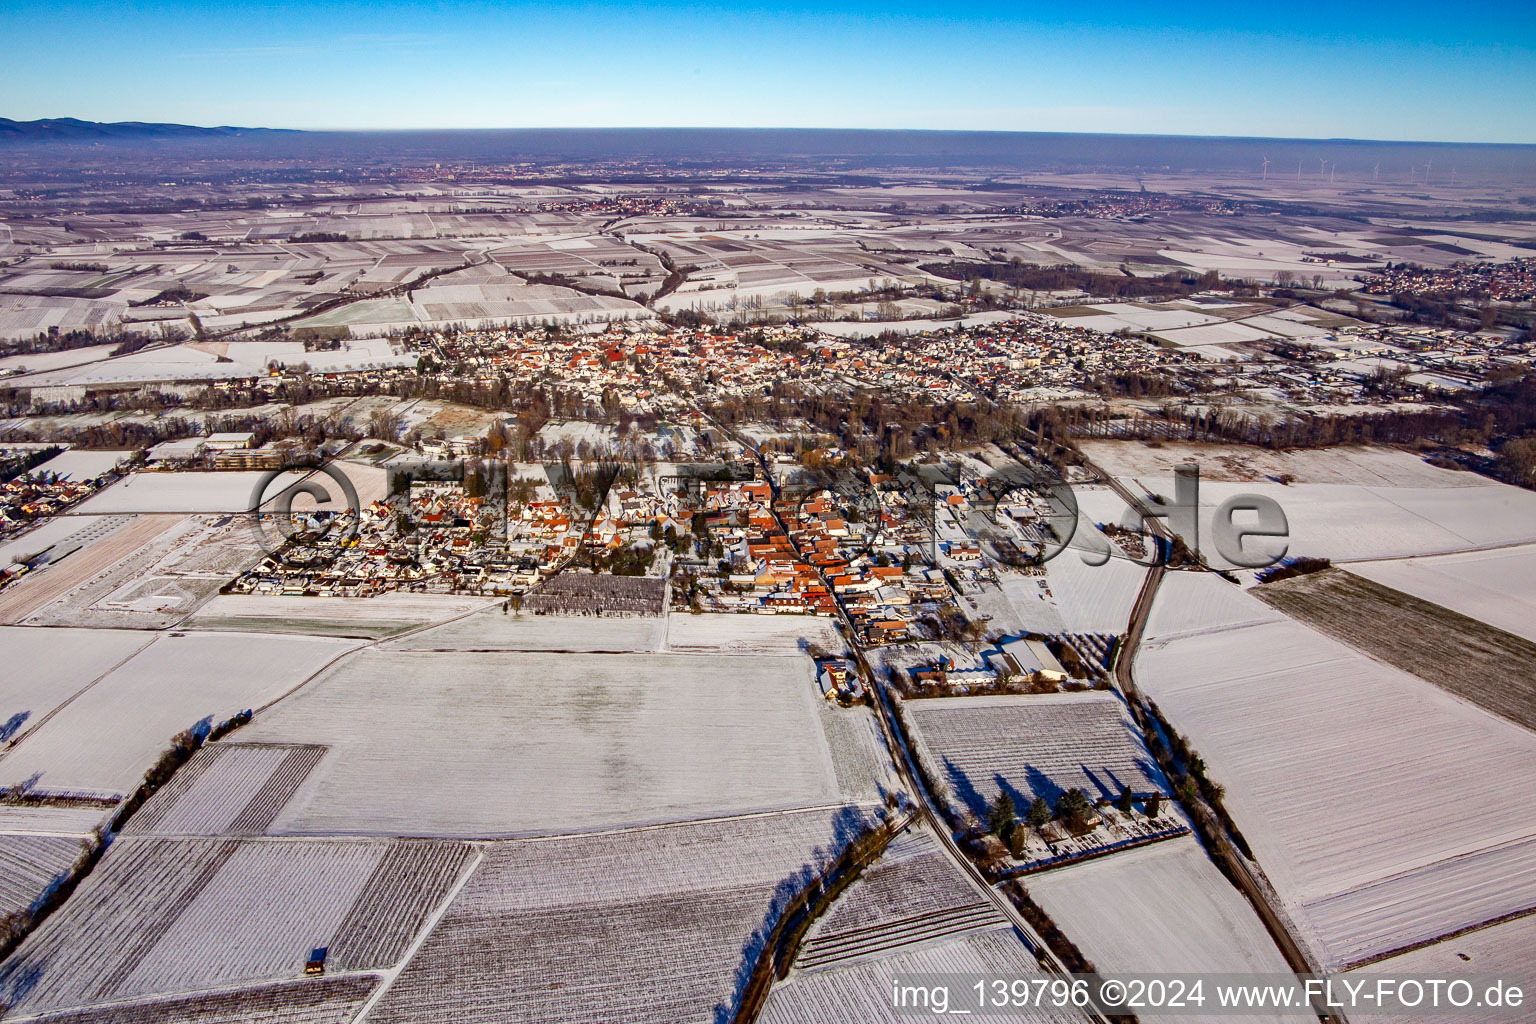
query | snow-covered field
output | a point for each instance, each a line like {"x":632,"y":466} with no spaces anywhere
{"x":28,"y":866}
{"x":751,"y":634}
{"x":102,"y":741}
{"x":1384,"y":810}
{"x":1507,"y":950}
{"x":495,"y":630}
{"x":1193,"y":602}
{"x":645,"y":925}
{"x":343,"y":616}
{"x":861,"y":990}
{"x":48,"y":666}
{"x":477,"y":744}
{"x":173,"y":915}
{"x":1345,"y":504}
{"x":577,"y":431}
{"x":188,"y":492}
{"x":1497,"y":587}
{"x":1369,"y":466}
{"x":1346,"y":522}
{"x":81,"y":464}
{"x":1163,"y":907}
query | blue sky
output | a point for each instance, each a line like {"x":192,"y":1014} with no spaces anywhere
{"x":1406,"y":70}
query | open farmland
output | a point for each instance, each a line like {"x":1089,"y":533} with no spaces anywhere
{"x":1497,"y":587}
{"x":1506,"y":949}
{"x":312,"y":1001}
{"x":495,"y":630}
{"x":228,"y":789}
{"x":1349,"y":522}
{"x":29,"y":864}
{"x":751,"y":634}
{"x":81,"y":464}
{"x":1029,"y":746}
{"x":1471,"y":659}
{"x":1163,"y":907}
{"x":650,"y":925}
{"x":59,"y":663}
{"x":913,"y":894}
{"x":164,"y":916}
{"x":193,"y":491}
{"x":860,"y":991}
{"x":480,"y":744}
{"x":1369,"y":797}
{"x":103,"y":740}
{"x":380,"y":616}
{"x":1374,"y":466}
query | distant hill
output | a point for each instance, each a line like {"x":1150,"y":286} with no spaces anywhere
{"x":69,"y":129}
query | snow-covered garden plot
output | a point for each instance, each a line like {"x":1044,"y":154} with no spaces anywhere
{"x":495,"y":630}
{"x":29,"y":864}
{"x":193,"y":491}
{"x":647,"y":925}
{"x":310,"y":1001}
{"x":1029,"y":746}
{"x":473,"y":744}
{"x":752,"y":634}
{"x":164,"y":915}
{"x":228,"y":789}
{"x":1497,"y":587}
{"x":1163,"y":907}
{"x":81,"y":464}
{"x":48,"y":666}
{"x":913,"y":894}
{"x":378,"y":616}
{"x":102,"y":742}
{"x":1344,"y":773}
{"x":861,"y":991}
{"x":577,"y":432}
{"x":1469,"y":658}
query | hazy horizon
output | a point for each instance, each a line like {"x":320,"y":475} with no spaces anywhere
{"x":1413,"y":71}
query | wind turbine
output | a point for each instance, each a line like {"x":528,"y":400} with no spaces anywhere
{"x":1266,"y":169}
{"x":1322,"y":168}
{"x":1427,"y":165}
{"x":1332,"y":171}
{"x":1376,"y":173}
